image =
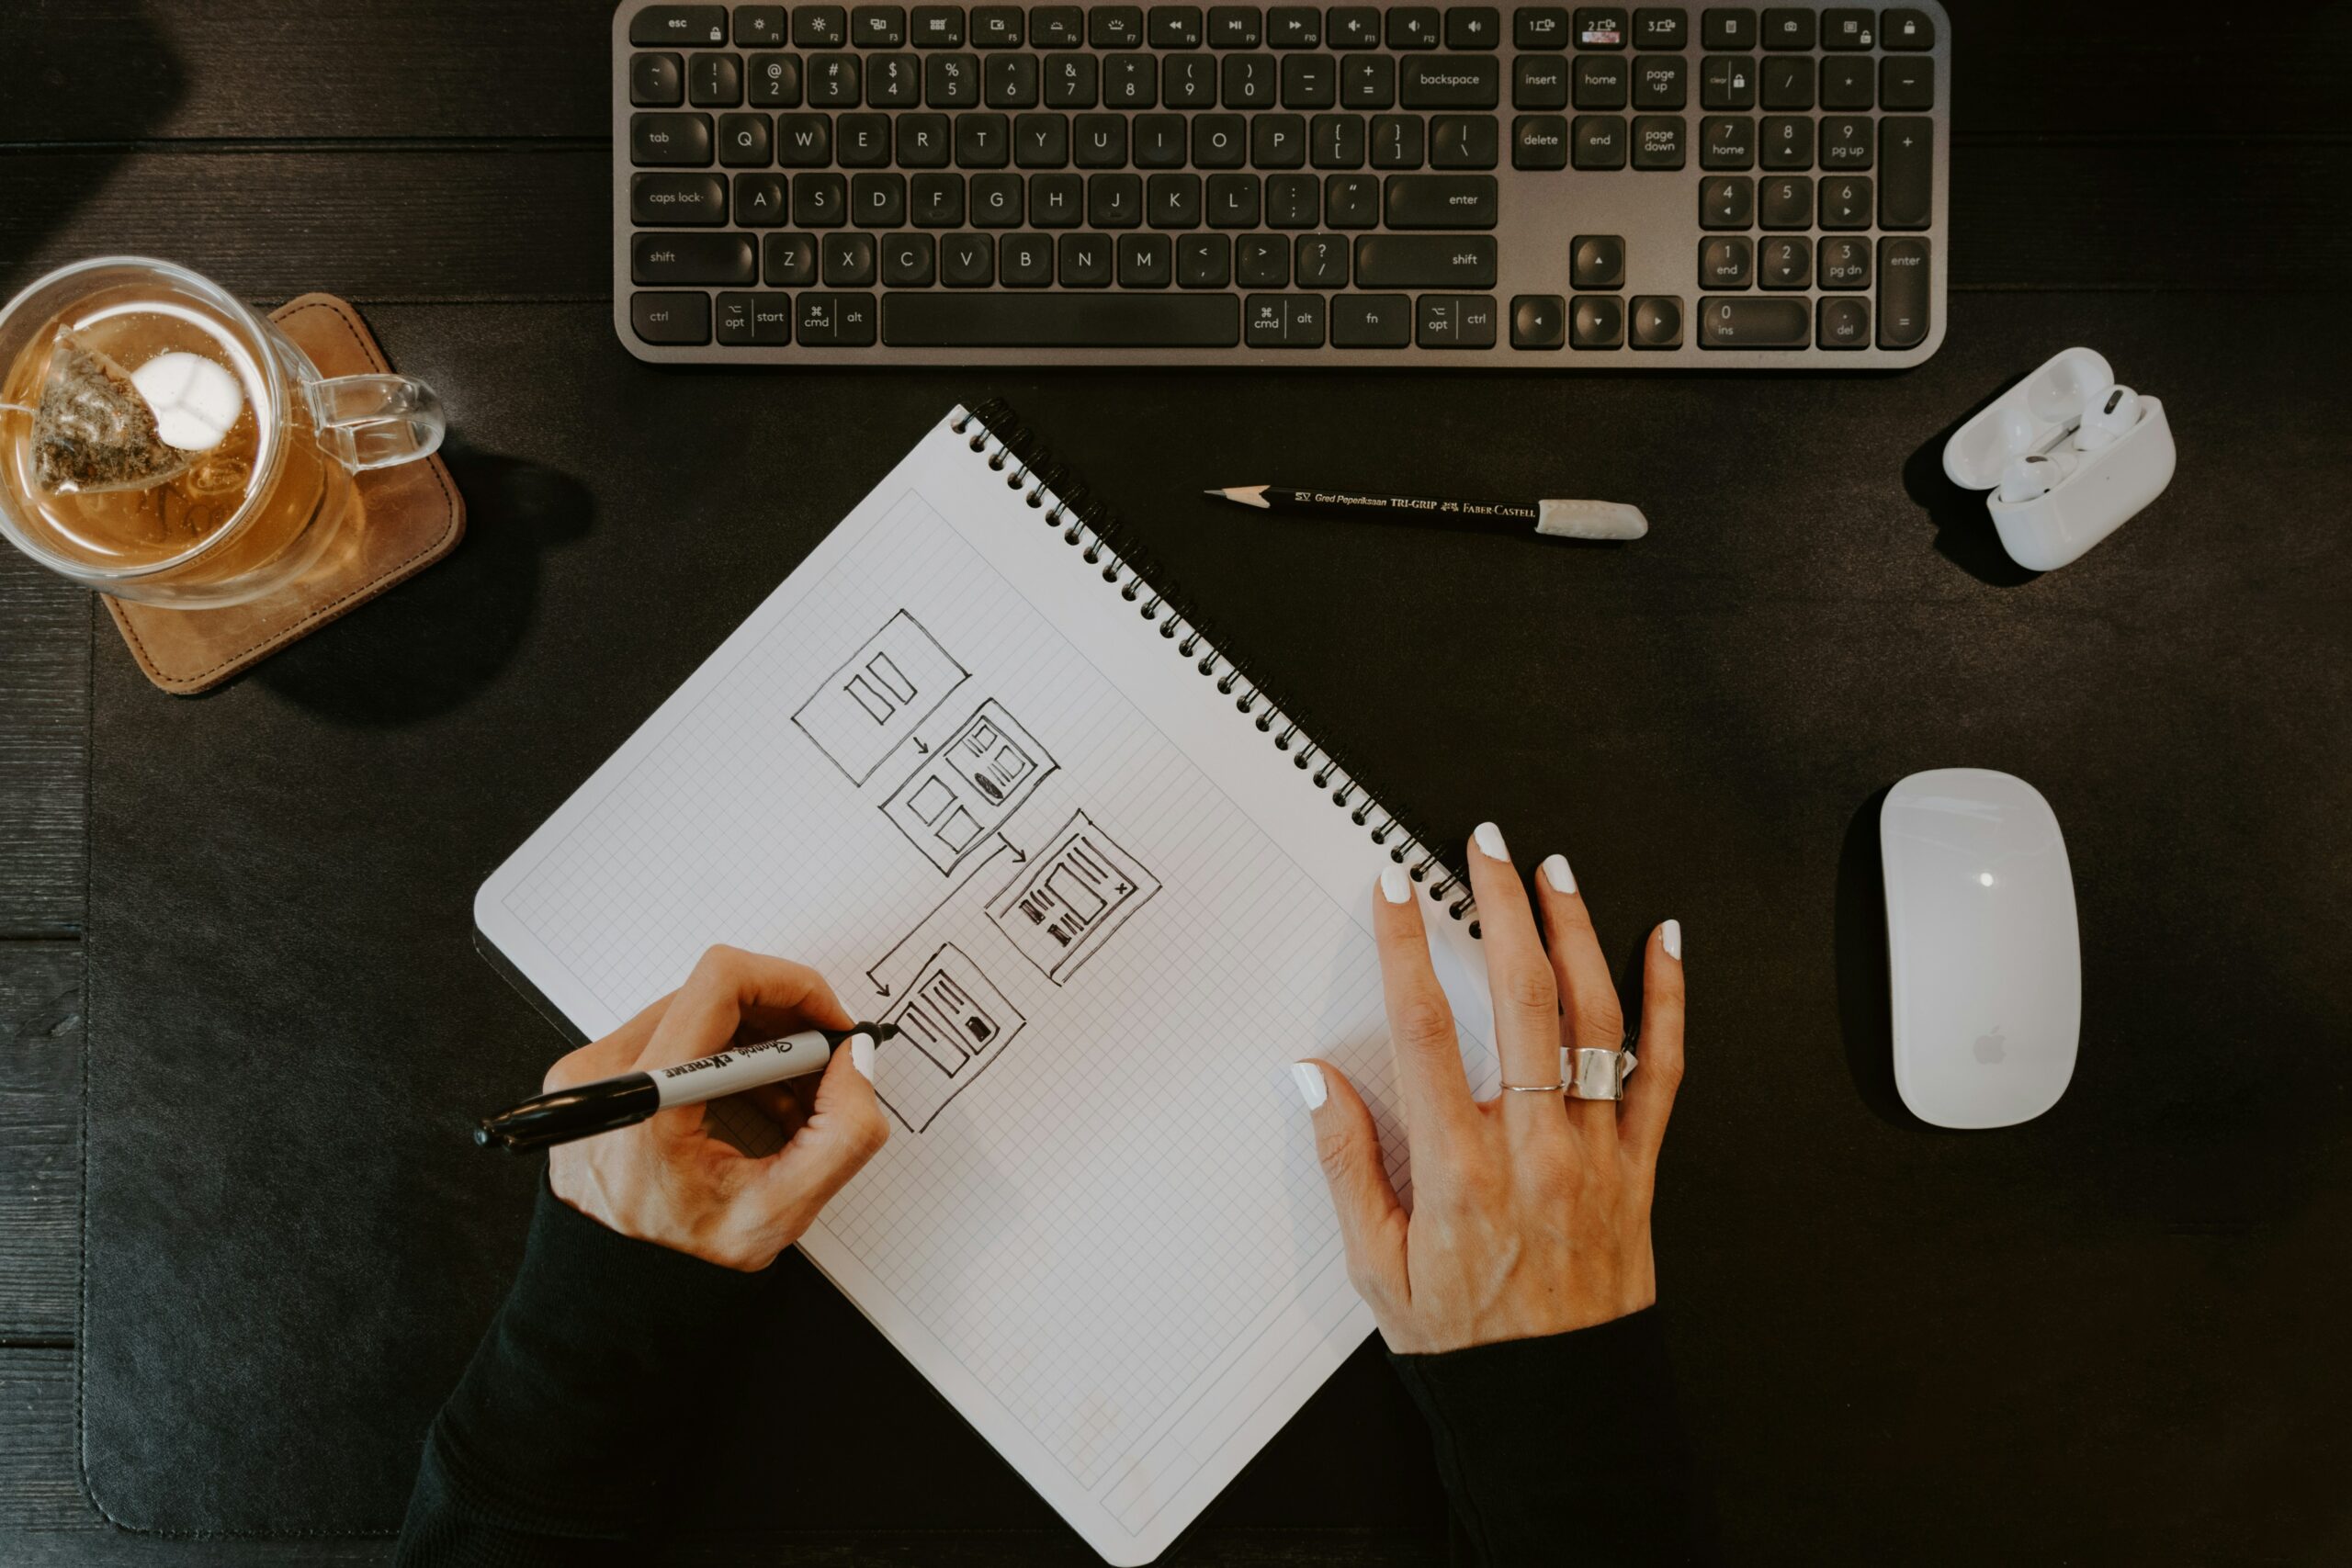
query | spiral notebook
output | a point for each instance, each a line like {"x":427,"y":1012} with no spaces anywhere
{"x":981,"y":765}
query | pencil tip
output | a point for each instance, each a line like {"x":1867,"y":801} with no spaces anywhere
{"x":1218,"y":494}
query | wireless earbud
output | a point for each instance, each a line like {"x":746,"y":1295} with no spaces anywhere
{"x":2034,"y":475}
{"x":2108,"y":418}
{"x":2068,"y":455}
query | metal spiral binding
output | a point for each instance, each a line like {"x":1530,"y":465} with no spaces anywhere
{"x":1085,"y":525}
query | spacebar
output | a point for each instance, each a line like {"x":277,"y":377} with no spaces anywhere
{"x":1061,"y":321}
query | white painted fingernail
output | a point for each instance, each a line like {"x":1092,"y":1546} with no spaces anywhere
{"x":1669,"y":936}
{"x":861,"y":1055}
{"x":1556,"y":872}
{"x":1490,"y":842}
{"x":1395,"y":886}
{"x":1311,"y":1087}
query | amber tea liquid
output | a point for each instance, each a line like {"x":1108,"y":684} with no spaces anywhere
{"x":241,"y":512}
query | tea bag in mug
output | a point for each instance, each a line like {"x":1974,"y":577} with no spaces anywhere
{"x":102,"y":428}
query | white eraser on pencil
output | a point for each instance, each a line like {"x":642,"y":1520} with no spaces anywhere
{"x":1590,"y":519}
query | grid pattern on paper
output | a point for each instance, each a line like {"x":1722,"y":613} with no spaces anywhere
{"x":1096,"y":1225}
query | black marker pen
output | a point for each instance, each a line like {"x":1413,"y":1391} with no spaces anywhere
{"x":564,"y":1115}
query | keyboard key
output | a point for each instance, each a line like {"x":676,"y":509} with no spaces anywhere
{"x":1056,"y":27}
{"x":1788,"y":82}
{"x":1293,"y":201}
{"x":863,"y":140}
{"x":1024,"y":260}
{"x":1465,"y":141}
{"x":669,"y":138}
{"x":692,"y":258}
{"x":1845,"y":201}
{"x":1596,"y":261}
{"x":1786,"y":141}
{"x":745,"y":140}
{"x":1320,"y":261}
{"x":1539,"y":141}
{"x":1352,"y":201}
{"x":1261,"y":261}
{"x":760,"y":27}
{"x":1788,"y":203}
{"x":997,"y":27}
{"x":1173,"y":27}
{"x":1061,"y":321}
{"x":656,"y":80}
{"x":1902,"y":293}
{"x":1353,"y":27}
{"x":774,"y":82}
{"x":1146,"y":261}
{"x":1843,"y":322}
{"x":760,"y":201}
{"x":1752,"y":321}
{"x":788,"y":261}
{"x":1726,"y":202}
{"x":1658,"y":141}
{"x":1727,"y":141}
{"x":1602,"y":81}
{"x":1086,"y":261}
{"x":966,"y":261}
{"x":1337,"y":142}
{"x":1847,"y":141}
{"x":763,"y":320}
{"x":821,"y":26}
{"x":1906,"y":28}
{"x":1540,"y":26}
{"x":1787,"y":27}
{"x":1843,"y":261}
{"x":1278,"y":142}
{"x":1203,"y":261}
{"x":1907,"y":84}
{"x":677,"y":198}
{"x":1440,"y":201}
{"x":1454,"y":321}
{"x":1538,"y":320}
{"x":1368,"y":81}
{"x":679,"y":25}
{"x":819,"y":201}
{"x":1727,"y":27}
{"x":1906,"y":176}
{"x":1371,"y":321}
{"x":1659,"y":83}
{"x":1114,"y":27}
{"x":671,"y":319}
{"x":1727,"y":81}
{"x":846,"y":261}
{"x":1727,"y":262}
{"x":1250,"y":81}
{"x":1600,"y":27}
{"x":804,"y":140}
{"x":1413,"y":27}
{"x":1450,"y":82}
{"x":1473,"y":26}
{"x":1846,"y":28}
{"x":1275,"y":320}
{"x":1596,"y":320}
{"x":1785,"y":263}
{"x":1425,"y":260}
{"x":951,"y":81}
{"x":1656,"y":322}
{"x":1237,"y":26}
{"x":1293,"y":27}
{"x":1598,"y":142}
{"x":878,"y":27}
{"x":1539,"y":82}
{"x":910,"y":260}
{"x":1661,"y":26}
{"x":1848,"y":83}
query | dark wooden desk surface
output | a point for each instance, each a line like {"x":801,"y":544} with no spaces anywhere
{"x":453,"y":153}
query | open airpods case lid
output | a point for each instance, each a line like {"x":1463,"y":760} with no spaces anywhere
{"x":2031,"y":416}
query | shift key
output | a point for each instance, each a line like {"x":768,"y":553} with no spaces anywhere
{"x":1440,"y":201}
{"x":1425,"y":260}
{"x":693,"y":258}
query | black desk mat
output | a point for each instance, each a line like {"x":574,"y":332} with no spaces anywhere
{"x":2103,"y":1333}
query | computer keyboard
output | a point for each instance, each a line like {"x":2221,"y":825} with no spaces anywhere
{"x":1541,"y":187}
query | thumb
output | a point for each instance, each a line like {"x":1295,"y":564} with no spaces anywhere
{"x":845,"y":1128}
{"x":1371,"y":1221}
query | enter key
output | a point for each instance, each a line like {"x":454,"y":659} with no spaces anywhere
{"x":1425,"y":260}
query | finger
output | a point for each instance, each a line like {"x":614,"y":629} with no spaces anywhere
{"x":611,"y":1056}
{"x":1371,"y":1221}
{"x":1431,"y":1084}
{"x":1590,"y":1016}
{"x":846,"y":1127}
{"x":1650,"y":1093}
{"x":1519,"y":977}
{"x":729,"y":986}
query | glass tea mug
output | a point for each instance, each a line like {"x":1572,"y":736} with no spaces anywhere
{"x":274,"y":496}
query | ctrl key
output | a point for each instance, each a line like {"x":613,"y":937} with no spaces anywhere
{"x":670,"y":320}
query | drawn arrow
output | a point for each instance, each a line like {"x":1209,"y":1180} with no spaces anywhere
{"x":1019,"y":857}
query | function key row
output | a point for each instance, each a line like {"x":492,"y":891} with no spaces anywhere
{"x":1278,"y":26}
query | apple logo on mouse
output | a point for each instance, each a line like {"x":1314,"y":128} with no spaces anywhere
{"x":1991,"y":1048}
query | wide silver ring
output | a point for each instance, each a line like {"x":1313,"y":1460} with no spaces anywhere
{"x":1588,"y":1074}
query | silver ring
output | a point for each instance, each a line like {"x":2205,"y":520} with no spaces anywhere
{"x":1589,"y":1074}
{"x":1534,"y":1087}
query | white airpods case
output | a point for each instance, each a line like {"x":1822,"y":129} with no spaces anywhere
{"x":2040,"y":415}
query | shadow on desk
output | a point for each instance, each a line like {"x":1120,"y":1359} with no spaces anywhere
{"x":1865,"y":990}
{"x":431,"y":643}
{"x":1965,"y":532}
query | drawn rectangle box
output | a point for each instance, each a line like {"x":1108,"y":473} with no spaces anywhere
{"x":953,"y":1023}
{"x":870,"y":706}
{"x":969,"y":785}
{"x":1068,"y":900}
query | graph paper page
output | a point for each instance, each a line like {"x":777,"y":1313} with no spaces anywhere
{"x":950,"y":767}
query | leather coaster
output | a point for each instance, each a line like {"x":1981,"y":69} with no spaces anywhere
{"x":403,"y":519}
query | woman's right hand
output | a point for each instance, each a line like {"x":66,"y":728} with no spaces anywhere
{"x":1531,"y":1211}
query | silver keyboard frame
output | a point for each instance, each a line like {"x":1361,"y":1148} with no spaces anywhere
{"x":1540,"y":213}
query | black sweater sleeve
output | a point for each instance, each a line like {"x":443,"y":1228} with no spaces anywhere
{"x":556,"y":1444}
{"x":1567,"y":1450}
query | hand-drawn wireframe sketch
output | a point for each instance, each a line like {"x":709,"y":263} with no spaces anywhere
{"x":1078,"y":890}
{"x":885,"y":971}
{"x":951,"y":1025}
{"x":870,"y":706}
{"x":969,"y":787}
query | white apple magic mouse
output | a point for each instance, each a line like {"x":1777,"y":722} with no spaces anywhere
{"x":1982,"y":946}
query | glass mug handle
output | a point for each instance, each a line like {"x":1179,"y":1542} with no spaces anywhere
{"x":376,"y":422}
